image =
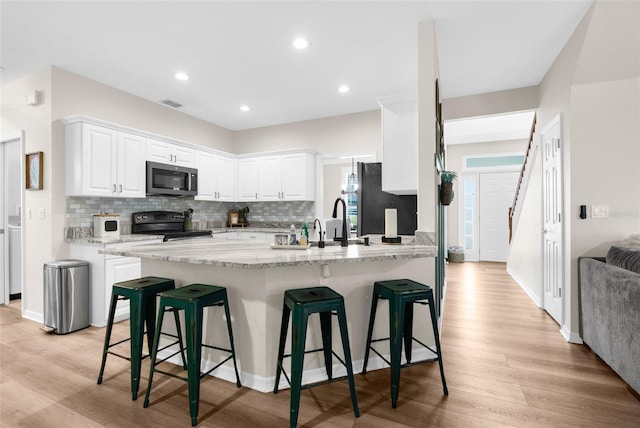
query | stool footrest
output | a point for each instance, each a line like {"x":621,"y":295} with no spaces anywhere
{"x":323,"y":382}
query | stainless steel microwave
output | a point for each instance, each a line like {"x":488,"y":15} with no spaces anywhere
{"x":172,"y":180}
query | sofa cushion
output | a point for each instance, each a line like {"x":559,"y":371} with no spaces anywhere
{"x":624,"y":257}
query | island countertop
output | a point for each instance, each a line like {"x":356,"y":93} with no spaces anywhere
{"x":257,"y":255}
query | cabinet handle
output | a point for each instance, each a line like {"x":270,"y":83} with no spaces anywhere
{"x":256,"y":196}
{"x":170,"y":158}
{"x":114,"y":189}
{"x":121,"y":188}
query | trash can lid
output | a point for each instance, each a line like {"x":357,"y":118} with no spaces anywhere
{"x":60,"y":264}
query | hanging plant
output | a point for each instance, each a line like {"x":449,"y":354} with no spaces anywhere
{"x":446,"y":186}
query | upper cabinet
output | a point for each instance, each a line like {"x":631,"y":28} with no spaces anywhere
{"x":103,"y":162}
{"x":168,"y":153}
{"x":283,"y":177}
{"x":248,"y":179}
{"x":287,"y":177}
{"x":400,"y":144}
{"x":216,"y":177}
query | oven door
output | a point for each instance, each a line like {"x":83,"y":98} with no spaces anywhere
{"x":173,"y":180}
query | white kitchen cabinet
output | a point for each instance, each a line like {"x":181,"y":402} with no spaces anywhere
{"x":216,"y":177}
{"x":400,"y":144}
{"x":105,"y":270}
{"x":248,"y":179}
{"x":168,"y":153}
{"x":287,"y":177}
{"x":103,"y":162}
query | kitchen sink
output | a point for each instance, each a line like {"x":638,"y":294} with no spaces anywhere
{"x":352,"y":241}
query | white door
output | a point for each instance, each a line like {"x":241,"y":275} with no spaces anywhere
{"x":496,"y":196}
{"x":552,"y":215}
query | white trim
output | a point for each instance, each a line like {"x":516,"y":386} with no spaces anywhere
{"x":266,"y":383}
{"x":537,"y":300}
{"x":32,"y":315}
{"x":570,"y":336}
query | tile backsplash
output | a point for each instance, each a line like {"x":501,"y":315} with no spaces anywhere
{"x":207,"y":214}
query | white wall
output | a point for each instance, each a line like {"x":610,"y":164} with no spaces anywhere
{"x":595,"y":87}
{"x":351,"y":134}
{"x":40,"y":244}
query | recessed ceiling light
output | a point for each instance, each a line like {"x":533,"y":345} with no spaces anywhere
{"x":344,"y":89}
{"x":181,"y":76}
{"x":245,"y":108}
{"x":301,"y":43}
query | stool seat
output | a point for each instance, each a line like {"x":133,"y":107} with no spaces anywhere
{"x":141,"y":293}
{"x":402,"y":294}
{"x":303,"y":302}
{"x":192,"y":299}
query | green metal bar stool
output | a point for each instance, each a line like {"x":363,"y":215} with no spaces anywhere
{"x":192,"y":299}
{"x":402,"y":294}
{"x":141,"y":294}
{"x":304,"y":302}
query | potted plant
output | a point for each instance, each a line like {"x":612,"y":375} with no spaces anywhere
{"x":446,"y":186}
{"x":242,"y":215}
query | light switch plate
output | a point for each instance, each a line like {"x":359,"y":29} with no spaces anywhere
{"x":600,"y":211}
{"x":41,"y":213}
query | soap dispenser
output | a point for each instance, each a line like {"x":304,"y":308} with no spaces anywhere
{"x":292,"y":235}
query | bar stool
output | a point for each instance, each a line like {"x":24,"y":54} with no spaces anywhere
{"x":141,"y":294}
{"x":402,"y":294}
{"x":192,"y":299}
{"x":304,"y":302}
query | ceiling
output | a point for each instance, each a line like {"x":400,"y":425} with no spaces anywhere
{"x":240,"y":53}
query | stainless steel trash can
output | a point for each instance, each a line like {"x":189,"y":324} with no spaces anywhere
{"x":66,"y":295}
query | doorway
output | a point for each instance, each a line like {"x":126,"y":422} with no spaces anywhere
{"x":483,"y":227}
{"x":11,"y":236}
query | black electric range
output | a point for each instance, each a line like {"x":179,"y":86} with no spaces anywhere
{"x":167,"y":223}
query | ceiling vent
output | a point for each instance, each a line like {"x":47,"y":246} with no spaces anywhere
{"x":171,"y":103}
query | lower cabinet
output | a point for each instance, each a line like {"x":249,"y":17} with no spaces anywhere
{"x":105,"y":270}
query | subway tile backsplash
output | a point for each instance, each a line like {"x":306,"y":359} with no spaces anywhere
{"x":207,"y":214}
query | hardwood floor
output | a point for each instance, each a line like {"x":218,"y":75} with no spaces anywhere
{"x":505,"y":362}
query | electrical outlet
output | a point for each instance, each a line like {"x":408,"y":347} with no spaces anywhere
{"x":41,"y":213}
{"x":600,"y":211}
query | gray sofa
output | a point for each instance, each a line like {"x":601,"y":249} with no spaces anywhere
{"x":610,"y":310}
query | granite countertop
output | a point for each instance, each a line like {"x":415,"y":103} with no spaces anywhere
{"x":122,"y":239}
{"x":256,"y":255}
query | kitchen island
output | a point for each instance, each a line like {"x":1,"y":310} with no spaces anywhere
{"x":256,"y":277}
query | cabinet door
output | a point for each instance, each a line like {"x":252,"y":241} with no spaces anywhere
{"x":116,"y":270}
{"x":159,"y":151}
{"x":206,"y":165}
{"x":270,"y":178}
{"x":99,"y":159}
{"x":184,"y":156}
{"x":131,"y":172}
{"x":247,"y":179}
{"x":294,"y":176}
{"x":226,"y":178}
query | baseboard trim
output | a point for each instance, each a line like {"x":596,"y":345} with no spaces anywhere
{"x":525,"y":288}
{"x":33,"y":316}
{"x":265,"y":384}
{"x":570,"y":336}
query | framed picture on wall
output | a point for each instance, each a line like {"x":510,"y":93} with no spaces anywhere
{"x":33,"y":171}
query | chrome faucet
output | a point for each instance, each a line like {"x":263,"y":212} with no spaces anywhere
{"x":321,"y":240}
{"x":344,"y":241}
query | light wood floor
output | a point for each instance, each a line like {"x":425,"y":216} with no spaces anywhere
{"x":505,"y":364}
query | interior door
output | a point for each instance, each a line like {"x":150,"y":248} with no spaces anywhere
{"x":552,"y":234}
{"x":496,"y":196}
